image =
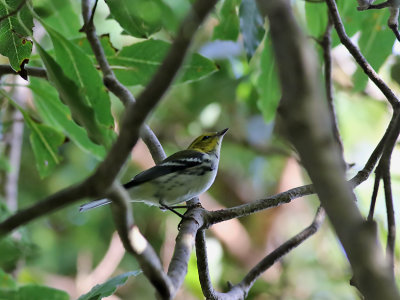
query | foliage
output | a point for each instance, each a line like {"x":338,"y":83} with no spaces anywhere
{"x":229,"y":79}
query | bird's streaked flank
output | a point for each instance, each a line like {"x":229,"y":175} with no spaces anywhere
{"x":178,"y":178}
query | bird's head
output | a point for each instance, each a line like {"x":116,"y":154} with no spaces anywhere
{"x":208,"y":142}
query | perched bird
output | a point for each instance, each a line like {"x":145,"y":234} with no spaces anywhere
{"x":178,"y":178}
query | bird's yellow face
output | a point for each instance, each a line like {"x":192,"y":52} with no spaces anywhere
{"x":208,"y":142}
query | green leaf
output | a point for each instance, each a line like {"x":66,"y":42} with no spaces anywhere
{"x":108,"y":288}
{"x":13,"y":250}
{"x":135,"y":64}
{"x":6,"y":281}
{"x":267,"y":83}
{"x":13,"y":34}
{"x":61,"y":15}
{"x":79,"y":68}
{"x":228,"y":27}
{"x":72,"y":96}
{"x":351,"y":19}
{"x":140,"y":18}
{"x":44,"y":140}
{"x":317,"y":18}
{"x":83,"y":44}
{"x":38,"y":292}
{"x":251,"y":25}
{"x":376,"y":43}
{"x":57,"y":115}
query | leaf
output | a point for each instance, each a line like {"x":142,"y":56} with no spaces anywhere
{"x":228,"y":27}
{"x":83,"y":44}
{"x":135,"y":64}
{"x":251,"y":26}
{"x":38,"y":292}
{"x":140,"y":18}
{"x":267,"y":83}
{"x":44,"y":140}
{"x":6,"y":281}
{"x":351,"y":19}
{"x":79,"y":67}
{"x":57,"y":115}
{"x":317,"y":18}
{"x":13,"y":34}
{"x":70,"y":94}
{"x":376,"y":43}
{"x":108,"y":288}
{"x":61,"y":15}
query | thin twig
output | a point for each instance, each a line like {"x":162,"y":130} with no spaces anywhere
{"x":113,"y":84}
{"x":15,"y":11}
{"x":217,"y":216}
{"x":391,"y":220}
{"x":326,"y":44}
{"x":383,"y":169}
{"x":374,"y":196}
{"x":282,"y":250}
{"x":360,"y":59}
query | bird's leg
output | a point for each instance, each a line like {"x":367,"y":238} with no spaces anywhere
{"x":164,"y":207}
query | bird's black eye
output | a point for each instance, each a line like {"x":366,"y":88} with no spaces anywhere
{"x":205,"y":137}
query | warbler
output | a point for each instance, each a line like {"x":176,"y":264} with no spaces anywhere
{"x":178,"y":178}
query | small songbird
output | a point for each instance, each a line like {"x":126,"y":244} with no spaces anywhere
{"x":178,"y":178}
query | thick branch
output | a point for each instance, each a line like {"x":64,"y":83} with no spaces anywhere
{"x":309,"y":127}
{"x":135,"y":243}
{"x":56,"y":201}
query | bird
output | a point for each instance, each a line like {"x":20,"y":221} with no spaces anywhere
{"x":178,"y":178}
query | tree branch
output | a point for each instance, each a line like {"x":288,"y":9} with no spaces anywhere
{"x":326,"y":44}
{"x":310,"y":132}
{"x":32,"y":71}
{"x":135,"y":243}
{"x":240,"y":290}
{"x":217,"y":216}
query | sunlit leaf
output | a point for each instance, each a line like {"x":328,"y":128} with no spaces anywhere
{"x":317,"y":18}
{"x":61,"y":15}
{"x":228,"y":27}
{"x":267,"y":83}
{"x":140,"y":18}
{"x":376,"y":43}
{"x":135,"y":64}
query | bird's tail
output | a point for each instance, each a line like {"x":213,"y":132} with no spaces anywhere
{"x":94,"y":204}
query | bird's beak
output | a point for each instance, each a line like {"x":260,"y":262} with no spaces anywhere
{"x":222,"y":132}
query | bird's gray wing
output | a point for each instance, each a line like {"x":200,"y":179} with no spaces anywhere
{"x":176,"y":162}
